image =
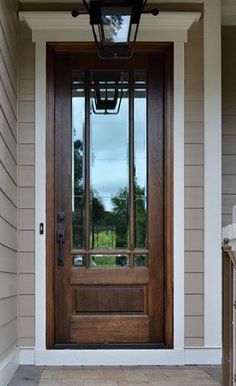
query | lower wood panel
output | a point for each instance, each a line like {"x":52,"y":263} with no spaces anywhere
{"x":110,"y":299}
{"x":109,"y":329}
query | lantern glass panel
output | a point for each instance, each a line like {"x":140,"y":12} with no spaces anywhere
{"x":115,"y":24}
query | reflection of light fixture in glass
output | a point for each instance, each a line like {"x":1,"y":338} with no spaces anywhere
{"x":115,"y":25}
{"x":107,"y":91}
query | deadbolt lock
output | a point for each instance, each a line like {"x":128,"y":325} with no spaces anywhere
{"x":61,"y":217}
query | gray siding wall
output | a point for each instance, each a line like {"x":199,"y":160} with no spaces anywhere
{"x":229,"y":122}
{"x":194,"y":205}
{"x":26,"y":186}
{"x":8,"y":178}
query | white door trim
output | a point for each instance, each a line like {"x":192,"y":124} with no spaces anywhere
{"x":114,"y":357}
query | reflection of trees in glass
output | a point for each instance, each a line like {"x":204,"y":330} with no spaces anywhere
{"x":77,"y":215}
{"x":120,"y":209}
{"x":78,"y":165}
{"x":112,"y":25}
{"x":110,"y":228}
{"x":140,"y":217}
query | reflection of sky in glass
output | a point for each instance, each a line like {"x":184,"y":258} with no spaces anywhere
{"x":77,"y":117}
{"x":109,"y":147}
{"x":109,"y":154}
{"x":140,"y":137}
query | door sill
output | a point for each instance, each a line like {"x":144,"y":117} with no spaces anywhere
{"x":109,"y":346}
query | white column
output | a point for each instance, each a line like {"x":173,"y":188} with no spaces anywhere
{"x":212,"y":175}
{"x":179,"y":195}
{"x":40,"y":194}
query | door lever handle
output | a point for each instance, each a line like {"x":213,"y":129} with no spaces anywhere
{"x":60,"y":241}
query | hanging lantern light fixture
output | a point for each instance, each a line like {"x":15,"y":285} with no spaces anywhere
{"x":115,"y":25}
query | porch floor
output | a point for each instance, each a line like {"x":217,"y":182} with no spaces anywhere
{"x":118,"y":376}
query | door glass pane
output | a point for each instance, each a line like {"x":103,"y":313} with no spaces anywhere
{"x":140,"y":167}
{"x":140,"y":78}
{"x":78,"y":261}
{"x":109,"y":177}
{"x":78,"y":124}
{"x":140,"y":260}
{"x":78,"y":78}
{"x":109,"y":261}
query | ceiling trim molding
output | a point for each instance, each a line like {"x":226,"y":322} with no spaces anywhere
{"x":47,"y":25}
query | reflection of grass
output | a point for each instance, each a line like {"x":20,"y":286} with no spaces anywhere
{"x":105,"y":260}
{"x":109,"y":261}
{"x":104,"y":239}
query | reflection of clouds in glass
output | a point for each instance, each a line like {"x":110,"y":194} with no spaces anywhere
{"x":109,"y":154}
{"x":109,"y":134}
{"x":77,"y":116}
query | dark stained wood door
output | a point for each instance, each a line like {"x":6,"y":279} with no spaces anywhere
{"x":110,"y":200}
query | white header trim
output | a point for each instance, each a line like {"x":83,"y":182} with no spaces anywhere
{"x":64,"y":20}
{"x":47,"y":25}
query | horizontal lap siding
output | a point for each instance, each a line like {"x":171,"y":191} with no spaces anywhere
{"x":26,"y":156}
{"x":8,"y":178}
{"x":229,"y":123}
{"x":194,"y":189}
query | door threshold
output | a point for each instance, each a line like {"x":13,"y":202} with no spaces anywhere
{"x":109,"y":346}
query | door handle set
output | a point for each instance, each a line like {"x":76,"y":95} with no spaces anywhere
{"x":60,"y":238}
{"x":61,"y":242}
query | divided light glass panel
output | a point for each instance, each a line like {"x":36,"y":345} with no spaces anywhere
{"x":110,"y":163}
{"x":109,"y":178}
{"x":78,"y":158}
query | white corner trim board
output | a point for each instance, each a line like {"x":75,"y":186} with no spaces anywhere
{"x":45,"y":29}
{"x":9,"y":366}
{"x":212,"y":173}
{"x":178,"y":157}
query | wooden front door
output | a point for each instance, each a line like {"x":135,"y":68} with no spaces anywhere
{"x":110,"y":201}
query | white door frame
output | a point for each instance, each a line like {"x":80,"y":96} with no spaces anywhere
{"x":172,"y":27}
